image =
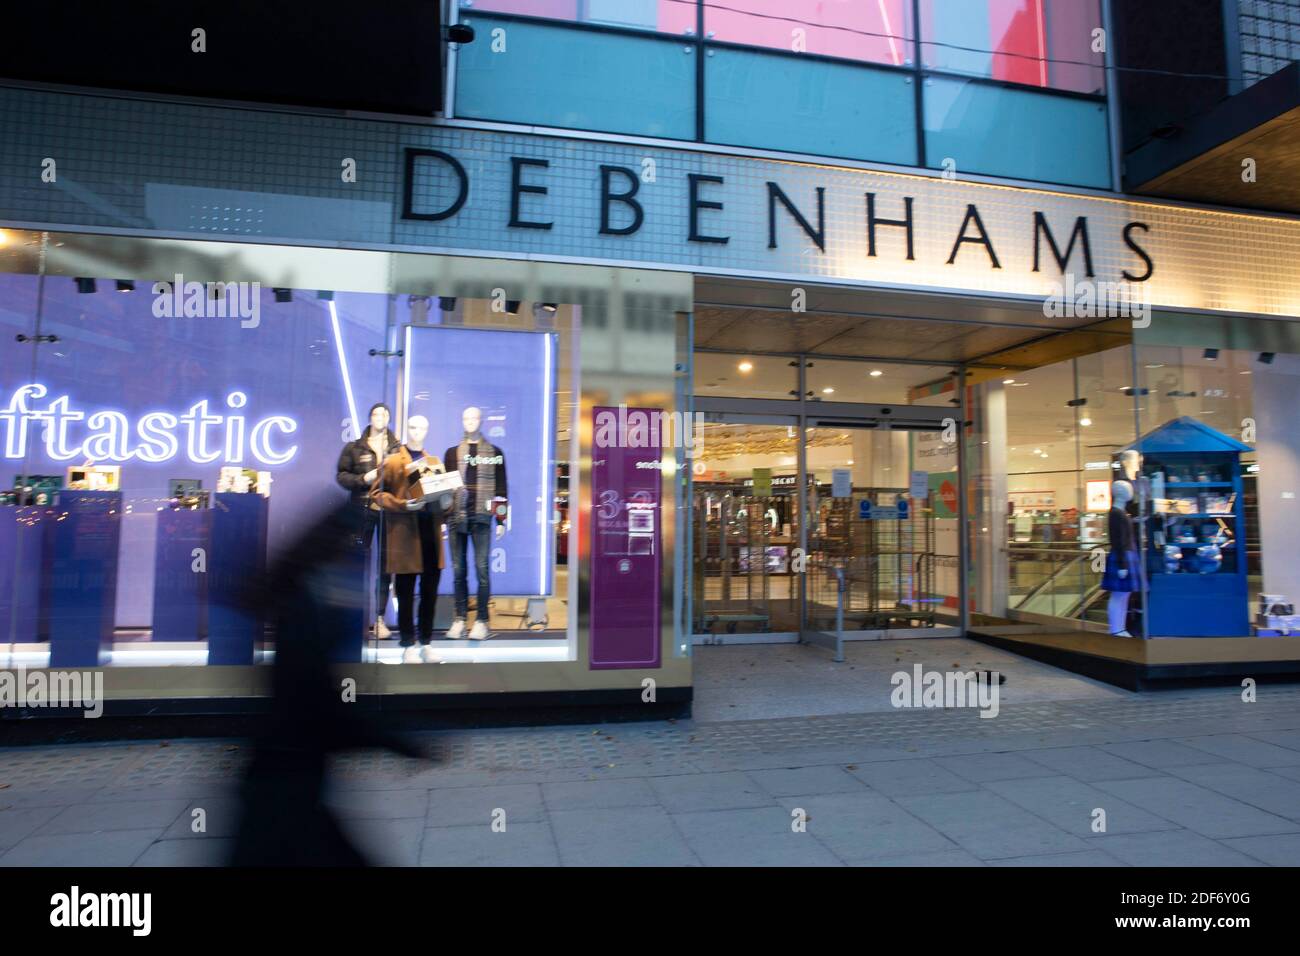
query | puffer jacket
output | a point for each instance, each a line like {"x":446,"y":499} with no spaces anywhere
{"x":357,"y":460}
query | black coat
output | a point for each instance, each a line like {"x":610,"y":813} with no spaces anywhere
{"x":356,"y":460}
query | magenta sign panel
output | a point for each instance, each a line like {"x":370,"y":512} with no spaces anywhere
{"x":626,"y":542}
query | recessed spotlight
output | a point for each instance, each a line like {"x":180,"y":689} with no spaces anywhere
{"x":125,"y":285}
{"x":283,"y":295}
{"x":1085,"y":422}
{"x":828,"y":390}
{"x":85,"y":286}
{"x":850,"y":461}
{"x":1267,"y":357}
{"x":746,"y":366}
{"x":876,"y":373}
{"x":1211,"y":354}
{"x":1008,"y":381}
{"x":1038,"y":451}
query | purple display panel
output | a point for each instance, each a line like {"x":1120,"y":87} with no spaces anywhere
{"x":510,"y":377}
{"x":626,"y":537}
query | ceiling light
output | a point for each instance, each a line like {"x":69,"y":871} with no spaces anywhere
{"x":828,"y":390}
{"x":850,"y":461}
{"x":1211,"y":354}
{"x":876,"y":373}
{"x":746,"y":366}
{"x":1085,"y":422}
{"x":85,"y":286}
{"x":125,"y":285}
{"x":1008,"y":381}
{"x":1038,"y":451}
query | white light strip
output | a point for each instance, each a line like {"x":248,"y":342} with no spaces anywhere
{"x":343,"y":368}
{"x":548,"y":498}
{"x":889,"y":32}
{"x":406,"y":381}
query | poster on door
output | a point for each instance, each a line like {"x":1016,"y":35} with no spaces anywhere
{"x":626,"y":542}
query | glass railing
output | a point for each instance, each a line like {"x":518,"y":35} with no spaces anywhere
{"x":1052,"y":581}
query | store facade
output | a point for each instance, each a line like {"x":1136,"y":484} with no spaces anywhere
{"x":205,"y":309}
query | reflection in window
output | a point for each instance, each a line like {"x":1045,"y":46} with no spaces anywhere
{"x":1046,"y":43}
{"x":877,"y":31}
{"x":664,"y":16}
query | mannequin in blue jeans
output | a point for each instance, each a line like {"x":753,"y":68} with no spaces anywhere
{"x":478,"y":529}
{"x":478,"y":504}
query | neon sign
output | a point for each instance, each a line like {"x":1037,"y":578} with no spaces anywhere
{"x":202,"y":433}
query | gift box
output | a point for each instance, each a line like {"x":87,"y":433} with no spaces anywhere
{"x":437,"y":484}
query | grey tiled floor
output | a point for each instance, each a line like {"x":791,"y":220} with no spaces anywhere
{"x":1179,"y":779}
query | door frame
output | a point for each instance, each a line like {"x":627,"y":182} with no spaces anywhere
{"x":801,"y":413}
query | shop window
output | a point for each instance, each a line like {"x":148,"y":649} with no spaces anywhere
{"x":1044,"y":43}
{"x":878,"y":32}
{"x":880,"y":383}
{"x":721,"y":375}
{"x":808,"y":106}
{"x":163,"y":445}
{"x":577,"y":79}
{"x":979,"y":128}
{"x":663,"y":16}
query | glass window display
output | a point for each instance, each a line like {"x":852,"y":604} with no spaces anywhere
{"x":154,"y":463}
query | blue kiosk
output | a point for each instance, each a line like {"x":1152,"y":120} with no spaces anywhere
{"x":1195,"y":531}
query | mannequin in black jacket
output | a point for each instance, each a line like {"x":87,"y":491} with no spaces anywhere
{"x":359,"y":465}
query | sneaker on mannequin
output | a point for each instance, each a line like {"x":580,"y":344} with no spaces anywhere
{"x":457,"y":629}
{"x":427,"y":655}
{"x":479,"y":632}
{"x":381,"y":629}
{"x":1121,"y":634}
{"x":410,"y":655}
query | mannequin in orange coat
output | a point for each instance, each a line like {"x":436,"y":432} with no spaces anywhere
{"x":413,"y":549}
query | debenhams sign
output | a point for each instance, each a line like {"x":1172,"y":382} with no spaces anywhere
{"x":621,"y":211}
{"x":568,"y":200}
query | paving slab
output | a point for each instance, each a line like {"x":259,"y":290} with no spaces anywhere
{"x":1197,"y":808}
{"x":754,"y":836}
{"x":620,"y":836}
{"x":521,"y":844}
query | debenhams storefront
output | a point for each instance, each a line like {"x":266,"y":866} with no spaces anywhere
{"x":603,"y":402}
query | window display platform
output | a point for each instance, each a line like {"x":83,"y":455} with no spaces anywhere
{"x":1136,"y":664}
{"x":502,"y":648}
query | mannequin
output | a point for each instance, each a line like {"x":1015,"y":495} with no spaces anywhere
{"x":414,"y":537}
{"x":1123,"y":563}
{"x":358,"y":468}
{"x":482,"y":501}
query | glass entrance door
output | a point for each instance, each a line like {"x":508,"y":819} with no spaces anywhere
{"x":745,"y":528}
{"x":880,"y":551}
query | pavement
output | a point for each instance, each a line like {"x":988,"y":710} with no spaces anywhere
{"x":789,"y":760}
